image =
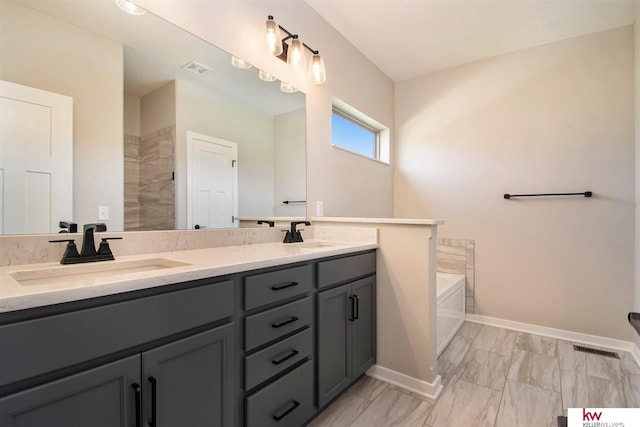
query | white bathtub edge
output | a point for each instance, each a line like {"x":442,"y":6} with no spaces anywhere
{"x":421,"y":388}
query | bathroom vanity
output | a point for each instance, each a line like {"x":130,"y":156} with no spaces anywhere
{"x":266,"y":341}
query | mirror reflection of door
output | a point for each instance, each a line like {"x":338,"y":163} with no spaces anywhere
{"x":212,"y":176}
{"x":36,"y":159}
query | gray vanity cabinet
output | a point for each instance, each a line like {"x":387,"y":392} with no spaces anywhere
{"x":189,"y":382}
{"x":166,"y":359}
{"x":346,"y":324}
{"x":99,"y":397}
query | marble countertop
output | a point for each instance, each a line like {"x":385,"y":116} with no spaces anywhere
{"x":403,"y":221}
{"x":20,"y":287}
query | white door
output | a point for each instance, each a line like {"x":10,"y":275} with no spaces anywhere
{"x":36,"y":159}
{"x":212,"y":176}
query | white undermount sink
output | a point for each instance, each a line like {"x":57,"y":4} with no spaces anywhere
{"x":102,"y":269}
{"x":312,"y":245}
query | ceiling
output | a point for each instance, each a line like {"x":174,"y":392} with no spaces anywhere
{"x":411,"y":38}
{"x":155,"y":52}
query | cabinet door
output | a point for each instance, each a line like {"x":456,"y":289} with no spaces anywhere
{"x":334,"y":334}
{"x":100,"y":397}
{"x":363,"y":332}
{"x":189,"y":382}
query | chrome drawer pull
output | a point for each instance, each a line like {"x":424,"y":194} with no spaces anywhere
{"x":294,"y":405}
{"x":284,"y":286}
{"x":285,"y":358}
{"x":282,"y":323}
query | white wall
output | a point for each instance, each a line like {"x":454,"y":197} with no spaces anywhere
{"x":348,"y":185}
{"x":289,"y":164}
{"x":74,"y":59}
{"x":556,"y":118}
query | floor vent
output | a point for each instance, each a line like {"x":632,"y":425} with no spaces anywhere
{"x":596,"y":351}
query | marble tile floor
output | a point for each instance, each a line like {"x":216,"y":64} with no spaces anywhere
{"x":495,"y":377}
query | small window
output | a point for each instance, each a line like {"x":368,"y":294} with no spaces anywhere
{"x":357,"y":133}
{"x":353,"y":136}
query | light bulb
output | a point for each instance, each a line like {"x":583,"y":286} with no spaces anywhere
{"x":317,"y":71}
{"x":286,"y":87}
{"x":295,"y":54}
{"x":266,"y":77}
{"x":130,"y":7}
{"x":239,"y":63}
{"x":274,"y":43}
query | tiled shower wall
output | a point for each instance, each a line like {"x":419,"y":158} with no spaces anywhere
{"x":131,"y":182}
{"x":150,"y":200}
{"x":458,"y":256}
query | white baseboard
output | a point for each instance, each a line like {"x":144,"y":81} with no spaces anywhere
{"x":576,"y":337}
{"x":635,"y":352}
{"x":405,"y":382}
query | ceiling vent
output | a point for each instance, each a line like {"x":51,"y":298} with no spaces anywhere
{"x":196,"y":68}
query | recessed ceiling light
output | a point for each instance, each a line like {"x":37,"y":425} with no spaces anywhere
{"x":130,"y":7}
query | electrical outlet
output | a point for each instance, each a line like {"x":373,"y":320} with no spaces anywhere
{"x":103,"y":213}
{"x":319,"y":208}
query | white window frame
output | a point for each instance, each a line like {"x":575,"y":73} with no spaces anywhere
{"x":381,"y":132}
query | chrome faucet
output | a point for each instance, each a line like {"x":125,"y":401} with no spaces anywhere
{"x":88,"y":252}
{"x":293,"y":235}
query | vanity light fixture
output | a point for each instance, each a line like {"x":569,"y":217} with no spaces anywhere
{"x":292,"y":50}
{"x":130,"y":7}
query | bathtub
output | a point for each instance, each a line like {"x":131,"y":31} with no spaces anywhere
{"x":450,"y":306}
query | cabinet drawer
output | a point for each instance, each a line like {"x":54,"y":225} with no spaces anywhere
{"x":344,"y":269}
{"x":274,"y":359}
{"x":48,"y":343}
{"x":286,"y":402}
{"x":272,"y":324}
{"x":266,"y":288}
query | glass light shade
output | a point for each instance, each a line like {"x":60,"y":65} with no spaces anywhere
{"x":274,"y":43}
{"x":317,"y":72}
{"x":295,"y":55}
{"x":286,"y":87}
{"x":239,"y":63}
{"x":130,"y":7}
{"x":266,"y":77}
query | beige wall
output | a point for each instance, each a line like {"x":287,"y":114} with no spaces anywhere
{"x":74,"y":60}
{"x":636,"y":302}
{"x":158,"y":109}
{"x":406,"y":305}
{"x":347,"y":184}
{"x":557,"y":118}
{"x":289,"y":163}
{"x":203,"y":112}
{"x":131,"y":115}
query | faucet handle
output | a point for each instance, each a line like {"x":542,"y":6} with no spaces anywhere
{"x":104,"y":248}
{"x":70,"y":252}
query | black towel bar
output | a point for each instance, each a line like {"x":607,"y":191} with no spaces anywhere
{"x":286,"y":202}
{"x":585,"y":194}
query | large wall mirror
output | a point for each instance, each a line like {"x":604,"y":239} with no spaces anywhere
{"x":157,"y":115}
